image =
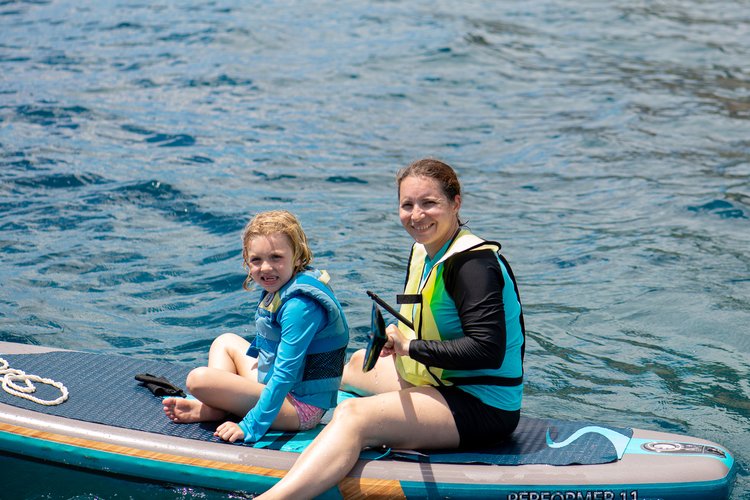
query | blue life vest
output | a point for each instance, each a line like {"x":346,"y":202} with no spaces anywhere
{"x":324,"y":360}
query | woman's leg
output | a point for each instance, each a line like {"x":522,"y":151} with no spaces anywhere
{"x":416,"y":417}
{"x":382,"y":378}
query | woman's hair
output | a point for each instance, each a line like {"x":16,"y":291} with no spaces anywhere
{"x":433,"y":169}
{"x":440,"y":172}
{"x":273,"y":222}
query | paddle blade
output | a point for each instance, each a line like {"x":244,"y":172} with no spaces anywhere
{"x":376,"y":339}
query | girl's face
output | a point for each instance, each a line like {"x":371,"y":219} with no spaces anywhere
{"x":270,"y":261}
{"x":426,"y":212}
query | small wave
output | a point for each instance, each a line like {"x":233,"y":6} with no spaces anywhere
{"x":145,"y":83}
{"x":164,"y":140}
{"x":722,"y":208}
{"x":228,"y":283}
{"x":59,"y":181}
{"x":125,"y":26}
{"x":226,"y":321}
{"x":345,"y":179}
{"x":222,"y":81}
{"x":197,"y":346}
{"x":123,"y":342}
{"x":275,"y":177}
{"x":62,"y":59}
{"x":171,"y":203}
{"x":205,"y":36}
{"x":14,"y":59}
{"x":198,"y":159}
{"x":578,"y":261}
{"x":51,"y":115}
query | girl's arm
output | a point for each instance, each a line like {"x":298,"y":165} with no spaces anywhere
{"x":301,"y":318}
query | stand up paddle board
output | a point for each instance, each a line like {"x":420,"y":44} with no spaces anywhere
{"x":112,"y":423}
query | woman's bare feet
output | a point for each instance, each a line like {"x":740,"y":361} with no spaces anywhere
{"x":186,"y":411}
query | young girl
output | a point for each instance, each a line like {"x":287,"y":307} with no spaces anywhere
{"x":290,"y":374}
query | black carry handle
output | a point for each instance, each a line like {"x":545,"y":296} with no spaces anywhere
{"x":391,"y":310}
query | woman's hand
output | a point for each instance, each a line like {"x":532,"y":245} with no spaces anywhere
{"x":229,"y":431}
{"x":397,"y":343}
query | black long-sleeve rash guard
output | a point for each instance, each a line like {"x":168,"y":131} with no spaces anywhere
{"x":475,"y":282}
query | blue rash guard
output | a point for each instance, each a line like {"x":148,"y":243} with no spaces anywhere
{"x":301,"y":317}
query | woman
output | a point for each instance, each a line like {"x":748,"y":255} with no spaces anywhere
{"x":456,"y":378}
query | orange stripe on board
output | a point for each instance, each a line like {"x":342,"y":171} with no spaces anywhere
{"x":353,"y":488}
{"x":350,"y":488}
{"x":134,"y":452}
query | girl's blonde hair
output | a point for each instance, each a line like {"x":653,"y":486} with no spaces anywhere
{"x":272,"y":222}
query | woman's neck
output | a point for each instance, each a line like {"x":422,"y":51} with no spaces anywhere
{"x":433,"y":250}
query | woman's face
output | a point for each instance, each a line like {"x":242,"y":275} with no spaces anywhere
{"x":426,"y":212}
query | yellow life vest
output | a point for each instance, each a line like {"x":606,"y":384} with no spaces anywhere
{"x":420,"y":288}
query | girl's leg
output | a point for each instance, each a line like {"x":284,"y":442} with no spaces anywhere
{"x":229,"y":384}
{"x":382,"y":378}
{"x":417,"y":417}
{"x":228,"y":352}
{"x":220,"y":393}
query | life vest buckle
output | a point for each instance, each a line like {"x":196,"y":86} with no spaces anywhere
{"x":409,"y":298}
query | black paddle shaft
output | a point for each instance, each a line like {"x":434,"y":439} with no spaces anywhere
{"x":391,"y":310}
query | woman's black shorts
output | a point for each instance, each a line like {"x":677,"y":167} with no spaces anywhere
{"x":478,"y":424}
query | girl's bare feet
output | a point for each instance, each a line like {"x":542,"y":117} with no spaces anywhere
{"x":186,"y":411}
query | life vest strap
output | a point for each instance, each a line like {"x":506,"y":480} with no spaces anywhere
{"x":409,"y":298}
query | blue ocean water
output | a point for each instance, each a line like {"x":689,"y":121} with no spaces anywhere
{"x":605,"y":144}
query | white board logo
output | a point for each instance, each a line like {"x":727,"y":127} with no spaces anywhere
{"x":619,"y":441}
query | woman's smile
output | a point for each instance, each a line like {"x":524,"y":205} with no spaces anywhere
{"x":421,"y":227}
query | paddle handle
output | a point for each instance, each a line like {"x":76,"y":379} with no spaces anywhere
{"x":382,"y":303}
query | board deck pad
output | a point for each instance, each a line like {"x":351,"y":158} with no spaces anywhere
{"x":103,"y":390}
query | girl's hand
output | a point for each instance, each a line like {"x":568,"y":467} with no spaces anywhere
{"x":396,"y":343}
{"x":229,"y":431}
